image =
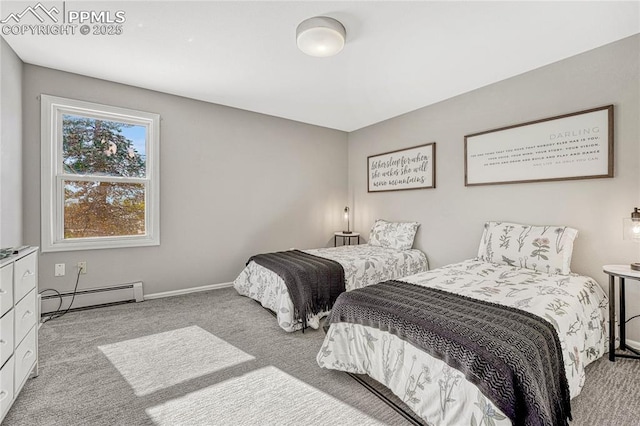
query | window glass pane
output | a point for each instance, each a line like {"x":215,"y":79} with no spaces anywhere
{"x":103,"y":209}
{"x":92,"y":146}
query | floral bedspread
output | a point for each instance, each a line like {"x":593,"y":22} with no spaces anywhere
{"x":575,"y":305}
{"x":363,"y":265}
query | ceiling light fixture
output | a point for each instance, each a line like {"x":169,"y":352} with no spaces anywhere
{"x":320,"y":36}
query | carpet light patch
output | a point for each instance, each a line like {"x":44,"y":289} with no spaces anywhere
{"x":156,"y":362}
{"x":267,"y":396}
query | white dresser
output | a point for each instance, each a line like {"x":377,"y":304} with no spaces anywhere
{"x":18,"y":324}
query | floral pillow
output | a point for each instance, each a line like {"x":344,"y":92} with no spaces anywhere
{"x":541,"y":248}
{"x":397,"y":235}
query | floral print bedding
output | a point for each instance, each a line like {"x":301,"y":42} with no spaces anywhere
{"x":541,"y":248}
{"x":575,"y":305}
{"x":363,"y":265}
{"x":397,"y":235}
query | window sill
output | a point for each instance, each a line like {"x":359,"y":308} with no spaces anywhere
{"x":99,"y":244}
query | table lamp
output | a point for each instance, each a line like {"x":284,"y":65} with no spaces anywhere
{"x":631,"y":229}
{"x":346,"y":216}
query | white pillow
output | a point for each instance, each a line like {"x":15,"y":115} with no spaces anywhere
{"x":541,"y":248}
{"x":397,"y":235}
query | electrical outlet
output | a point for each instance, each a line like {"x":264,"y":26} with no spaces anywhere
{"x":59,"y":270}
{"x":82,"y":266}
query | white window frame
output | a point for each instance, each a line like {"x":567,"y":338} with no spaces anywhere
{"x":52,"y":177}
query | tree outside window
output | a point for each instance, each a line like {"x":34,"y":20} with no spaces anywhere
{"x":102,"y":176}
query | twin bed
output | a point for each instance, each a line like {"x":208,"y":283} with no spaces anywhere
{"x":422,"y":337}
{"x":388,"y":255}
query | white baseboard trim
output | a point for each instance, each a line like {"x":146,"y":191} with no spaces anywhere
{"x":632,"y":343}
{"x":186,"y":291}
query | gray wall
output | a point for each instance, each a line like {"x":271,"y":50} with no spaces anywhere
{"x":236,"y":183}
{"x":10,"y":147}
{"x":452,"y":214}
{"x":233,"y":183}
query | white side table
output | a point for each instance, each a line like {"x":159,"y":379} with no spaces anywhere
{"x":346,"y":238}
{"x":622,"y":272}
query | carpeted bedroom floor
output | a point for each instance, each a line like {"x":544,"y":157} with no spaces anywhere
{"x":217,"y":358}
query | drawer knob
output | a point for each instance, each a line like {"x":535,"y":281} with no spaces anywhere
{"x":3,"y":395}
{"x":27,"y":274}
{"x":27,"y":354}
{"x":26,"y":314}
{"x":2,"y":291}
{"x":3,"y":342}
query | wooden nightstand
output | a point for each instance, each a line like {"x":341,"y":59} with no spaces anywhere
{"x":346,"y":238}
{"x":622,"y":272}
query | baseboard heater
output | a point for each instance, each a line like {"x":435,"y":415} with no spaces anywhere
{"x":93,"y":297}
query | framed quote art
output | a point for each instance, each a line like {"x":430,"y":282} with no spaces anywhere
{"x":408,"y":168}
{"x":570,"y":146}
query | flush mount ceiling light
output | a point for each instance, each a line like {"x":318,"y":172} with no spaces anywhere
{"x":321,"y":36}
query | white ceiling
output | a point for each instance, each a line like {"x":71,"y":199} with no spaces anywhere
{"x":399,"y":56}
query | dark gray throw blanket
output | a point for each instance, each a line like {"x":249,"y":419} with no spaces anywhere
{"x":513,"y":356}
{"x":314,"y":283}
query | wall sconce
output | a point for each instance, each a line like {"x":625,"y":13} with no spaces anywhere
{"x":346,"y":216}
{"x":631,"y":230}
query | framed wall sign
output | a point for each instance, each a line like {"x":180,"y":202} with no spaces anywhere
{"x":409,"y":168}
{"x":570,"y":146}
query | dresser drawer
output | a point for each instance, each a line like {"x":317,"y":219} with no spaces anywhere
{"x":6,"y":387}
{"x":6,"y":336}
{"x":25,"y":316}
{"x":24,"y":276}
{"x":6,"y":288}
{"x":25,"y":358}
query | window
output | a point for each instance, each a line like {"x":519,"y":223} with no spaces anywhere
{"x":99,"y":176}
